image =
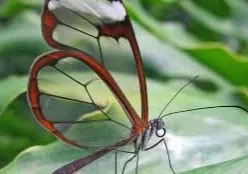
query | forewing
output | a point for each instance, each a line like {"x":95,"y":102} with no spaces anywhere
{"x":65,"y":88}
{"x":102,"y":29}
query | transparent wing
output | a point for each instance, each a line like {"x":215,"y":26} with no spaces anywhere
{"x":76,"y":99}
{"x":102,"y":29}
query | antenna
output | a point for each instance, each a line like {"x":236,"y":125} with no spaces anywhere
{"x":170,"y":101}
{"x":210,"y":107}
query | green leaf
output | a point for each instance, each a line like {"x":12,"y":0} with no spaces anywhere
{"x":159,"y":9}
{"x":21,"y":42}
{"x":195,"y":139}
{"x":232,"y":26}
{"x":11,"y":88}
{"x":17,"y":130}
{"x":208,"y":19}
{"x":233,"y":166}
{"x":220,"y":7}
{"x":215,"y":56}
{"x":15,"y":137}
{"x":183,"y":38}
{"x":239,"y":18}
{"x":14,"y":7}
{"x":243,"y":93}
{"x":22,"y":37}
{"x":232,"y":67}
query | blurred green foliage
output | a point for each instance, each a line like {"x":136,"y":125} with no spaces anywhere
{"x":198,"y":37}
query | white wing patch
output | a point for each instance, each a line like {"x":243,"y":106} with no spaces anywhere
{"x":106,"y":11}
{"x":53,"y":5}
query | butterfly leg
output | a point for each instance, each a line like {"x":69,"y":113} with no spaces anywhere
{"x":116,"y":155}
{"x":135,"y":154}
{"x":137,"y":164}
{"x":167,"y":151}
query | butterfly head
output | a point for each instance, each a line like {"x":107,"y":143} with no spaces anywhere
{"x":159,"y":125}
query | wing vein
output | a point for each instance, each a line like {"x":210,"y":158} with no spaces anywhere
{"x":70,"y":77}
{"x":83,"y":32}
{"x":66,"y":98}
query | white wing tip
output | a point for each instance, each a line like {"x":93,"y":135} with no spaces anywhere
{"x":54,"y":4}
{"x":120,"y":9}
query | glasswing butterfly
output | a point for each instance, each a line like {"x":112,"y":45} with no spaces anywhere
{"x":72,"y":27}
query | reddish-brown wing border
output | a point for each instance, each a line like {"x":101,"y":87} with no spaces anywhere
{"x":117,"y":30}
{"x":82,"y":162}
{"x":51,"y":59}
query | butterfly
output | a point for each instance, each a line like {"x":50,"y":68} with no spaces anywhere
{"x":72,"y":27}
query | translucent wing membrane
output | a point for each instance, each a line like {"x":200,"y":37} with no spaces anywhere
{"x":73,"y":99}
{"x":102,"y":29}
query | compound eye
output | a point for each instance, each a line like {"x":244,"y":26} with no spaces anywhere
{"x":160,"y":133}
